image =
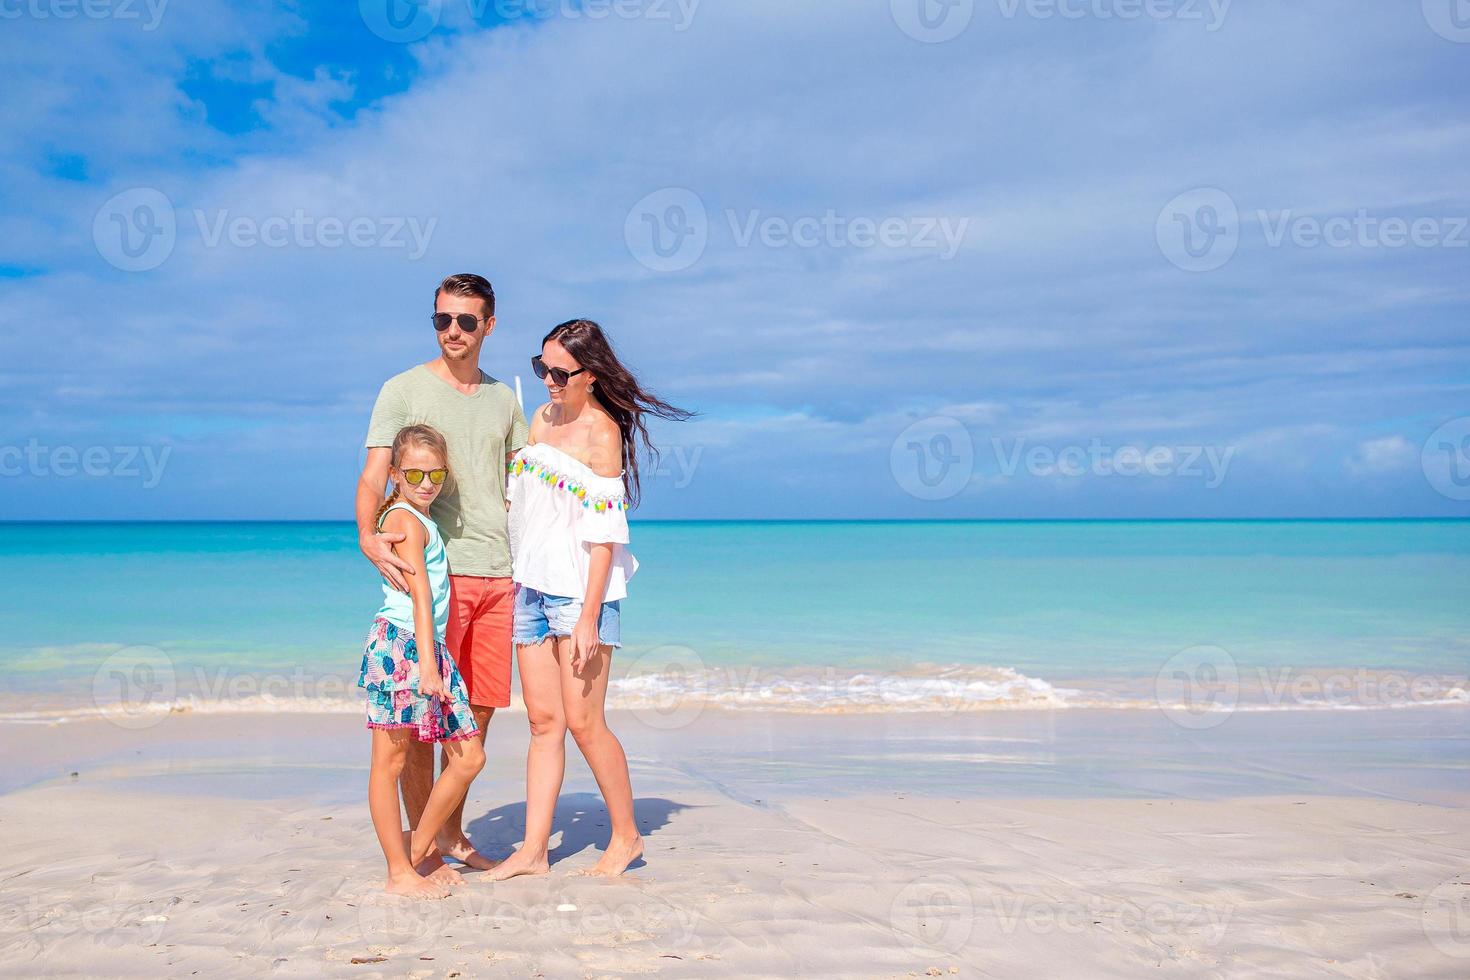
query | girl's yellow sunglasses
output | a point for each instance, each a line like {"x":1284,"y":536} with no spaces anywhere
{"x":415,"y":477}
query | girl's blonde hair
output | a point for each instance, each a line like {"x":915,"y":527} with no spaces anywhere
{"x":425,"y":437}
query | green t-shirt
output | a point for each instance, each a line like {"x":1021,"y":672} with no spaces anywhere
{"x":480,"y":429}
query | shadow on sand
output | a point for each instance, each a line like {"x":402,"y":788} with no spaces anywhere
{"x":580,"y":818}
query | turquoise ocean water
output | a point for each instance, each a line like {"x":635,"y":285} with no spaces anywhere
{"x":794,"y":616}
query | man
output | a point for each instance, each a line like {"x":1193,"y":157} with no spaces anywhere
{"x":483,"y":424}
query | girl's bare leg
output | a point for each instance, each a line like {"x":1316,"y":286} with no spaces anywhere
{"x":583,"y":696}
{"x":463,"y":760}
{"x":390,"y":750}
{"x":546,"y":759}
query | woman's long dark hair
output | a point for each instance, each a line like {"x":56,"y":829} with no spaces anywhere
{"x":618,"y":391}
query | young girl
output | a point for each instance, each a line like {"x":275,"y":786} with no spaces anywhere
{"x":569,"y":490}
{"x":412,"y":692}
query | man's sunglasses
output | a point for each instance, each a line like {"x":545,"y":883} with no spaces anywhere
{"x":468,"y":322}
{"x":415,"y":477}
{"x":559,"y":376}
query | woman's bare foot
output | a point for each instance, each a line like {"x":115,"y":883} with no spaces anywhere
{"x":524,"y":861}
{"x":464,"y":852}
{"x":411,"y":884}
{"x":617,"y":857}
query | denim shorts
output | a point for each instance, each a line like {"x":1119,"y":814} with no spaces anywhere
{"x":538,"y":615}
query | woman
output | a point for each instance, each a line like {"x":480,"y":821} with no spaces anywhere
{"x":570,"y":489}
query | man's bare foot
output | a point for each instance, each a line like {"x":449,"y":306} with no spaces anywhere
{"x":445,"y":875}
{"x":411,"y":884}
{"x":433,"y":867}
{"x":617,"y":857}
{"x":464,"y":852}
{"x":524,"y":861}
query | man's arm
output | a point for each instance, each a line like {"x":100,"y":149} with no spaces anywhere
{"x":378,"y":547}
{"x":390,"y":414}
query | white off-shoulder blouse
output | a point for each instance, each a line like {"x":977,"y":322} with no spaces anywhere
{"x":559,"y":508}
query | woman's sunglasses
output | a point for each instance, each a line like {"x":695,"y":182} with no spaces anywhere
{"x":468,"y":322}
{"x":415,"y":477}
{"x":559,"y":376}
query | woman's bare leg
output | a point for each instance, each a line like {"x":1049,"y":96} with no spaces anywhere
{"x":546,"y":759}
{"x":583,"y":697}
{"x":389,"y":752}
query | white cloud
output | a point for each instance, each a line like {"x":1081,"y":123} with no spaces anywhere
{"x":1058,"y":321}
{"x":1383,"y":455}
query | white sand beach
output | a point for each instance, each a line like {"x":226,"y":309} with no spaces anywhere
{"x":230,"y":846}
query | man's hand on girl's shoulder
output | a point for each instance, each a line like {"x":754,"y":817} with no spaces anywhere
{"x":378,"y":549}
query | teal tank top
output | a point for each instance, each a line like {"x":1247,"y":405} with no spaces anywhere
{"x":398,"y":606}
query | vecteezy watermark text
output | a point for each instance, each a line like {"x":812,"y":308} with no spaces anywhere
{"x":936,"y":21}
{"x":136,"y":230}
{"x":89,"y":9}
{"x":1201,"y":229}
{"x":1209,"y":463}
{"x":407,"y":21}
{"x":1210,"y":13}
{"x":120,"y":462}
{"x":935,"y":459}
{"x":669,"y":230}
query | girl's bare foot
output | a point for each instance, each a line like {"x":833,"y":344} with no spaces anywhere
{"x":617,"y":857}
{"x":411,"y":884}
{"x":464,"y":852}
{"x":524,"y":861}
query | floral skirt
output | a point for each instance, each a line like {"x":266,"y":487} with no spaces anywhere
{"x":390,"y":675}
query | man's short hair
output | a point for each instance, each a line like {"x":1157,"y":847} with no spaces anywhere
{"x":468,"y":284}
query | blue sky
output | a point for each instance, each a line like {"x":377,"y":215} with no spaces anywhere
{"x":1007,"y":259}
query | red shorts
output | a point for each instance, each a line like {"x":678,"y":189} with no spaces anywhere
{"x":478,"y":636}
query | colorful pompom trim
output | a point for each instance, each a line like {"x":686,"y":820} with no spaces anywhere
{"x":561,"y":481}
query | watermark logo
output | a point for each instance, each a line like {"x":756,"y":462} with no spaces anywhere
{"x":671,"y":685}
{"x":135,"y":230}
{"x":667,"y":231}
{"x":933,"y":458}
{"x":393,"y":920}
{"x":1446,"y":918}
{"x":1445,"y":459}
{"x":932,"y":21}
{"x":1198,"y":687}
{"x":1450,"y":19}
{"x":134,"y":686}
{"x":1199,"y":230}
{"x":400,"y":21}
{"x":933,"y":915}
